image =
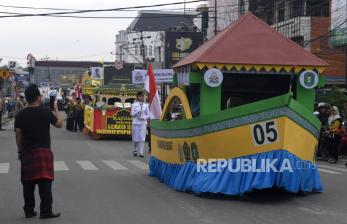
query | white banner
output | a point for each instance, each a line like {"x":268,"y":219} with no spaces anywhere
{"x":161,"y":76}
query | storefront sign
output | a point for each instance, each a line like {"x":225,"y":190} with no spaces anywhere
{"x":179,"y":44}
{"x":213,"y":77}
{"x":309,"y":79}
{"x":161,"y":76}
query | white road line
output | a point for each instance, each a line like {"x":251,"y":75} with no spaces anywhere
{"x":86,"y":165}
{"x":4,"y":167}
{"x":60,"y":166}
{"x":114,"y":165}
{"x":328,"y":171}
{"x":139,"y":164}
{"x":332,"y":167}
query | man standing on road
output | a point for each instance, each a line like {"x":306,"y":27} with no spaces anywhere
{"x":140,"y":115}
{"x":1,"y":110}
{"x":33,"y":140}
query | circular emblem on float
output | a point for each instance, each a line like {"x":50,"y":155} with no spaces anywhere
{"x":213,"y":77}
{"x":309,"y":79}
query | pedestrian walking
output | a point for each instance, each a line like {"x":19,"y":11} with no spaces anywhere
{"x":10,"y":107}
{"x":78,"y":111}
{"x":1,"y":111}
{"x":20,"y":104}
{"x":140,"y":115}
{"x":69,"y":115}
{"x":335,"y":125}
{"x":32,"y":127}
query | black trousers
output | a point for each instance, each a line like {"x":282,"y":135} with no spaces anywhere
{"x":333,"y":147}
{"x":78,"y":121}
{"x":45,"y":191}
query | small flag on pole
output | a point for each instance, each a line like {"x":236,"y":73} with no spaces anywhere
{"x":154,"y":100}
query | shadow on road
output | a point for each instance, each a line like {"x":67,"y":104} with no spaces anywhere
{"x":266,"y":196}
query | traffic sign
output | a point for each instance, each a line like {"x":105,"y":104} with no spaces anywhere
{"x":5,"y":74}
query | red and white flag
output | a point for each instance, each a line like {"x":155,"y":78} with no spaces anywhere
{"x":154,"y":100}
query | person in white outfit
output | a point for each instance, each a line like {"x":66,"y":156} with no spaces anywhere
{"x":140,"y":115}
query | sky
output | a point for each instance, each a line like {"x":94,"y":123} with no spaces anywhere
{"x":66,"y":38}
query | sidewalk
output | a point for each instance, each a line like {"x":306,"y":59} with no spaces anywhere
{"x":5,"y":120}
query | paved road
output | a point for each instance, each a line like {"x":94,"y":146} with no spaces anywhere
{"x":100,"y":182}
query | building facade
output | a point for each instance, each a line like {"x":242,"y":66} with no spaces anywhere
{"x":60,"y":73}
{"x":307,"y":22}
{"x":144,"y":40}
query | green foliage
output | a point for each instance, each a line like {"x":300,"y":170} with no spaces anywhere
{"x":334,"y":97}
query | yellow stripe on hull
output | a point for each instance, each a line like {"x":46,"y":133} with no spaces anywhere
{"x":265,"y":136}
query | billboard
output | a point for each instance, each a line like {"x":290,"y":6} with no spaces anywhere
{"x":114,"y":76}
{"x":338,"y":34}
{"x":179,"y":44}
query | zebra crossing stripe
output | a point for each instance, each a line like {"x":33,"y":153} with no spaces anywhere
{"x":334,"y":168}
{"x":114,"y":165}
{"x":139,"y":164}
{"x":86,"y":165}
{"x":328,"y":171}
{"x":60,"y":166}
{"x":4,"y":167}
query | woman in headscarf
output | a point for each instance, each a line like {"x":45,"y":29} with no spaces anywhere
{"x":335,"y":125}
{"x":140,"y":115}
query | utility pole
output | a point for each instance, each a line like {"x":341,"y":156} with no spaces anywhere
{"x":143,"y":51}
{"x":346,"y":64}
{"x":215,"y":17}
{"x":142,"y":48}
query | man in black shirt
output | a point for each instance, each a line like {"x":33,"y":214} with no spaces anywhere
{"x":32,"y":126}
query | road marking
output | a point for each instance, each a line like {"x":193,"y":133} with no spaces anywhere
{"x":4,"y":167}
{"x":114,"y":165}
{"x":328,"y":171}
{"x":86,"y":165}
{"x":139,"y":164}
{"x":334,"y":168}
{"x":60,"y":166}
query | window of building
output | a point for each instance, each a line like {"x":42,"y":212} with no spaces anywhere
{"x":317,"y":8}
{"x":145,"y":50}
{"x":150,"y":50}
{"x":136,"y":50}
{"x":281,"y":11}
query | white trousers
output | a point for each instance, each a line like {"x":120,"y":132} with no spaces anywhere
{"x":139,"y":147}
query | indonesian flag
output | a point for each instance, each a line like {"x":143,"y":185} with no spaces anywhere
{"x":154,"y":100}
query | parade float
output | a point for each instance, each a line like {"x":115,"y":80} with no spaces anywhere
{"x":245,"y":95}
{"x":108,"y":115}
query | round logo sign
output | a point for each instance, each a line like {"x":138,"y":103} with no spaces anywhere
{"x":213,"y":77}
{"x":309,"y":79}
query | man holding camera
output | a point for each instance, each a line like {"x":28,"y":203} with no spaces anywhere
{"x":32,"y":127}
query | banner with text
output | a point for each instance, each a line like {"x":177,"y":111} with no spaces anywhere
{"x":161,"y":76}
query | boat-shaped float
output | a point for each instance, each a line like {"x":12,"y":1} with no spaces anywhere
{"x":241,"y":117}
